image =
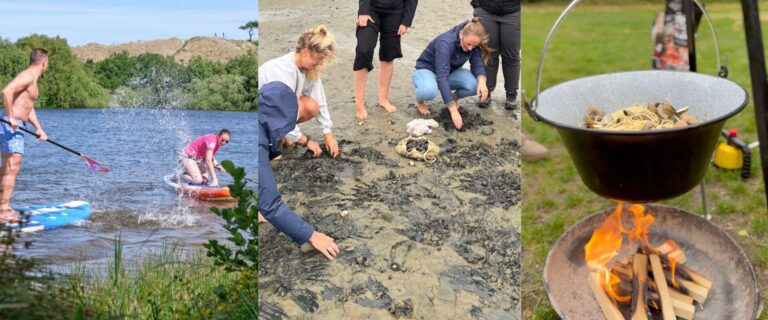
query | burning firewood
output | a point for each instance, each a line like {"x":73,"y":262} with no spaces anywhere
{"x":682,"y":304}
{"x":653,"y":283}
{"x":639,"y":287}
{"x":609,"y":309}
{"x":671,"y":250}
{"x":697,"y":278}
{"x":682,"y":309}
{"x":661,"y":285}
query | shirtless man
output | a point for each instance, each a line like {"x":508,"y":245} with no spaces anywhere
{"x":19,"y":97}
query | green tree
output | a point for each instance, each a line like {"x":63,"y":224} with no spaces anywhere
{"x":156,"y":82}
{"x":200,"y":68}
{"x":251,"y":27}
{"x":219,"y":92}
{"x":66,"y":84}
{"x":247,"y":66}
{"x":12,"y":61}
{"x":115,"y":70}
{"x":242,"y":224}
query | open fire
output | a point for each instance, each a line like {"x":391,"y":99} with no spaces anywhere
{"x":640,"y":281}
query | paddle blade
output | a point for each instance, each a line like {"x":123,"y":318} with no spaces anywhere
{"x":94,"y":165}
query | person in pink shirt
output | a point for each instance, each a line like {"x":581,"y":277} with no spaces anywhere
{"x":198,"y":156}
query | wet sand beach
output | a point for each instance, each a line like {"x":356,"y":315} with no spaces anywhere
{"x":418,"y":240}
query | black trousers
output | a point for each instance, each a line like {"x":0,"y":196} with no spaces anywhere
{"x":504,"y":35}
{"x":385,"y":27}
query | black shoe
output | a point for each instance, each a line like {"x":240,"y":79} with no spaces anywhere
{"x":511,"y":103}
{"x":486,"y":104}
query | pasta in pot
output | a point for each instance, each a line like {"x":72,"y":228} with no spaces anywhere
{"x":639,"y":117}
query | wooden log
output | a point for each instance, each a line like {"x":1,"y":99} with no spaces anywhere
{"x":698,"y":278}
{"x":672,"y":252}
{"x":677,"y":295}
{"x":697,"y":292}
{"x":609,"y":309}
{"x":623,"y":271}
{"x":625,"y":274}
{"x":682,"y":309}
{"x":667,"y":310}
{"x":639,"y":287}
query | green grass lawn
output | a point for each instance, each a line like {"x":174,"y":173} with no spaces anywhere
{"x":606,"y":38}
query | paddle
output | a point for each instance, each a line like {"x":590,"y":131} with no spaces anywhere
{"x":94,"y":165}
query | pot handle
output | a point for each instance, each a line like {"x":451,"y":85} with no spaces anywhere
{"x":531,"y":107}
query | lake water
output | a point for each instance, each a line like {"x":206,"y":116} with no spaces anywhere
{"x":131,"y":201}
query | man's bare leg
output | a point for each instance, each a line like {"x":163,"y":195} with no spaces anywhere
{"x":10,"y":170}
{"x":386,"y":69}
{"x":361,"y":79}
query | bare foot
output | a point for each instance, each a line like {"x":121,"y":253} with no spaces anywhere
{"x":387,"y":106}
{"x":8,"y":216}
{"x":360,"y":112}
{"x":456,"y":117}
{"x":423,"y":109}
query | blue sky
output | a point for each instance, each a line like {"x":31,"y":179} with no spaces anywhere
{"x":112,"y":22}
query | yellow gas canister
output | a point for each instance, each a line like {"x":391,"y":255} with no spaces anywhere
{"x":727,"y":155}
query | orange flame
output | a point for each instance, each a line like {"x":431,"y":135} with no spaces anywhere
{"x":672,"y":265}
{"x":606,"y":241}
{"x":642,"y":222}
{"x":602,"y":247}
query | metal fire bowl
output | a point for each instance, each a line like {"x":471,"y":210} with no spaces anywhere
{"x":709,"y":251}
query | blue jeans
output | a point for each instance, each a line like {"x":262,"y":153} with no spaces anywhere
{"x":461,"y":80}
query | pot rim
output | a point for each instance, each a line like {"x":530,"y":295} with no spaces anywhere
{"x":654,"y":132}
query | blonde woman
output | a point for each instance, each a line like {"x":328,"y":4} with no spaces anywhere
{"x":439,"y":68}
{"x":300,"y":70}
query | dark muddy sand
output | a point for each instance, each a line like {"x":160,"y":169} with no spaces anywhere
{"x":418,"y":240}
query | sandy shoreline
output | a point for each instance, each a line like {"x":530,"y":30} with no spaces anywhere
{"x":425,"y":241}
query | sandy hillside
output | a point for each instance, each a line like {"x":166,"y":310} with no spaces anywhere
{"x":215,"y":49}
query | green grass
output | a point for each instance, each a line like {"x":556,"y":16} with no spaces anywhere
{"x":597,"y":39}
{"x":171,"y":283}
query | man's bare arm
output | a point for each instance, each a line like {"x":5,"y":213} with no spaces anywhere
{"x":17,"y":85}
{"x":33,"y":119}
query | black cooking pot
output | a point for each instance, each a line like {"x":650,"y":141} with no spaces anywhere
{"x":639,"y":166}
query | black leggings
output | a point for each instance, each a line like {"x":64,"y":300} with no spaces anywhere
{"x":385,"y":24}
{"x":504,"y":35}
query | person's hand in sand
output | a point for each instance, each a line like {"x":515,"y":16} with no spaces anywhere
{"x":362,"y":20}
{"x":402,"y":30}
{"x":314,"y":147}
{"x":331,"y":145}
{"x":482,"y":88}
{"x":453,"y":108}
{"x":261,"y":218}
{"x":324,"y":244}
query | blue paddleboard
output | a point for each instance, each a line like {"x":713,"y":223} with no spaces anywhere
{"x":49,"y":216}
